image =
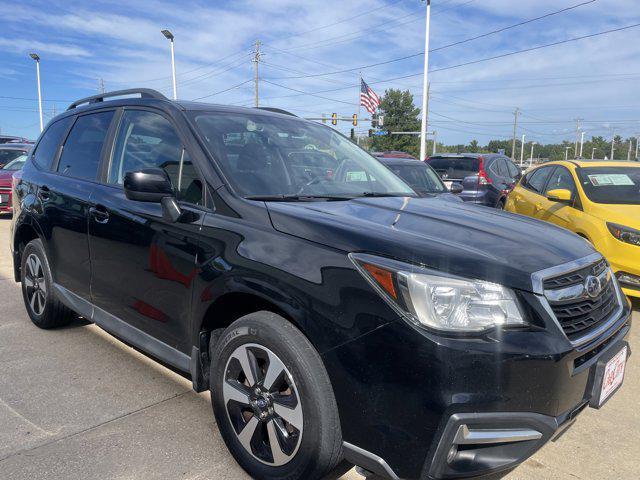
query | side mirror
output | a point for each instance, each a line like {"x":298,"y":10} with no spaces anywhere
{"x":148,"y":185}
{"x":154,"y":186}
{"x":456,"y":187}
{"x":560,"y":195}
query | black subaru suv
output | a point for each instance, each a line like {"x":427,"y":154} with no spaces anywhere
{"x":335,"y":316}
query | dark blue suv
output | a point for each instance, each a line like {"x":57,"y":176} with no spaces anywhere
{"x":486,"y":179}
{"x":332,"y":312}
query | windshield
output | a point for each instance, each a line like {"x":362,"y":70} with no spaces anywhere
{"x":269,"y":156}
{"x":420,"y":177}
{"x":613,"y":185}
{"x":16,"y":164}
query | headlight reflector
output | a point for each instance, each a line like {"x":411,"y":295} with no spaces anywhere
{"x":438,"y":301}
{"x":624,"y":234}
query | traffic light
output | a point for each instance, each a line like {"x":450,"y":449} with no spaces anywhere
{"x":334,"y":119}
{"x":374,"y":120}
{"x":355,"y":119}
{"x":353,"y":133}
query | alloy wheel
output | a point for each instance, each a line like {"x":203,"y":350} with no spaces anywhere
{"x":35,"y":284}
{"x":263,"y":404}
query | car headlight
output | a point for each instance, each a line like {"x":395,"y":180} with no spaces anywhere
{"x":439,"y":301}
{"x":624,"y":234}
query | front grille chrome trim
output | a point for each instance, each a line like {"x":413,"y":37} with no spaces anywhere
{"x":538,"y":278}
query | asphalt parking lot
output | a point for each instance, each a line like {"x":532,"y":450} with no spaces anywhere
{"x":76,"y":403}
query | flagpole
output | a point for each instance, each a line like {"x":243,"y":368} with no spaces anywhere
{"x":425,"y":86}
{"x":359,"y":89}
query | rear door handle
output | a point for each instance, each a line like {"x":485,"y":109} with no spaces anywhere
{"x":99,"y":213}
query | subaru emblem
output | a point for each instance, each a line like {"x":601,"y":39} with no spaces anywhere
{"x":592,"y":286}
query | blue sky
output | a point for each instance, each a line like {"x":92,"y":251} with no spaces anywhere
{"x":119,"y":41}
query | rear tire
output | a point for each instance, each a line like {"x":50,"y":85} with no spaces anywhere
{"x":44,"y":309}
{"x":285,"y":400}
{"x":501,"y":204}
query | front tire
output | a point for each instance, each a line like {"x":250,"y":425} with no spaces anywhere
{"x":273,"y":401}
{"x":43,"y":307}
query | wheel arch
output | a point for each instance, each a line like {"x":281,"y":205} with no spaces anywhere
{"x":221,"y":313}
{"x":25,"y":232}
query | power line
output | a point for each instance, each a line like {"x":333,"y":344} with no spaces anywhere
{"x":308,"y":93}
{"x":223,"y":91}
{"x":322,"y":27}
{"x":406,"y":57}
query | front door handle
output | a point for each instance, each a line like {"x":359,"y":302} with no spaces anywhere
{"x":99,"y":214}
{"x":538,"y":207}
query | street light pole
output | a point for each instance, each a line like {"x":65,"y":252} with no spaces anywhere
{"x":593,"y":152}
{"x":581,"y":143}
{"x":37,"y":59}
{"x":435,"y":142}
{"x":613,"y":144}
{"x":522,"y":150}
{"x":531,"y":158}
{"x":637,"y":140}
{"x":566,"y":153}
{"x":169,"y":36}
{"x":425,"y":85}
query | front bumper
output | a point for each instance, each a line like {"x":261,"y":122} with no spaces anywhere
{"x":403,"y":393}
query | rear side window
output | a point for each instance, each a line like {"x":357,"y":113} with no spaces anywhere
{"x":513,"y":170}
{"x":148,"y":140}
{"x":456,"y":168}
{"x":48,"y":146}
{"x":81,"y":153}
{"x":537,"y":179}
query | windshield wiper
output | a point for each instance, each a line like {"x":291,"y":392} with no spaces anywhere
{"x":385,"y":194}
{"x":295,"y":198}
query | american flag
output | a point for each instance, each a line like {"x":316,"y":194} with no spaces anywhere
{"x":368,"y":98}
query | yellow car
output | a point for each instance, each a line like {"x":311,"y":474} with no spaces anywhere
{"x":599,"y":200}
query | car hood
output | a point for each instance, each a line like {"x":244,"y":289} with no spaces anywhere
{"x":628,"y":215}
{"x":458,"y":238}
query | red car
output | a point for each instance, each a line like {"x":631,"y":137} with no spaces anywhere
{"x":6,"y":179}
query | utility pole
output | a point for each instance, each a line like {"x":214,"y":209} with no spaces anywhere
{"x":101,"y":85}
{"x":630,"y":148}
{"x":522,"y":150}
{"x":256,"y":61}
{"x":637,"y":140}
{"x":435,"y":142}
{"x":425,"y":85}
{"x":581,"y":143}
{"x":566,"y":153}
{"x":578,"y":122}
{"x":515,"y":131}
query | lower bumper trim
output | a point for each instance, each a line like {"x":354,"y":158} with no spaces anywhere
{"x":367,"y":460}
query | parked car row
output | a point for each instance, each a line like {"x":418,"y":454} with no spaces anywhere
{"x":6,"y":174}
{"x":337,"y":314}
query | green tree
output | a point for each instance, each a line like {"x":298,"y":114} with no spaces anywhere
{"x":474,"y":146}
{"x":400,"y":115}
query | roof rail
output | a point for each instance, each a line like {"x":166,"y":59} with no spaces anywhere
{"x":143,"y":92}
{"x":276,"y":110}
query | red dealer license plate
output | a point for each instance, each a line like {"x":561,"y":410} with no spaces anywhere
{"x":613,"y":375}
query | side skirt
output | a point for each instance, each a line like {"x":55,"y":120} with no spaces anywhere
{"x":121,"y":329}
